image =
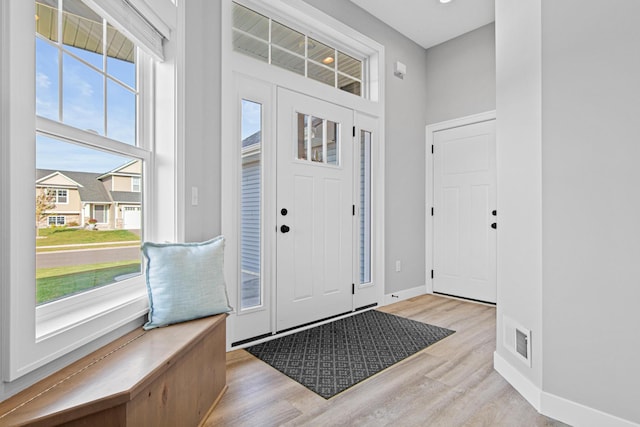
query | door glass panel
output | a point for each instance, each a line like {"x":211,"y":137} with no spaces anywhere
{"x":303,"y":121}
{"x":365,"y":206}
{"x":317,"y":140}
{"x":251,"y":207}
{"x":332,"y":143}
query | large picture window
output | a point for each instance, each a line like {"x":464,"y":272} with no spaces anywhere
{"x":87,"y":89}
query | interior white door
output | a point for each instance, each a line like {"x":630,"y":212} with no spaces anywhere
{"x":314,"y":203}
{"x":464,"y":191}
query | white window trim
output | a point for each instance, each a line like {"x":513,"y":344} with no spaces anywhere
{"x":31,"y":343}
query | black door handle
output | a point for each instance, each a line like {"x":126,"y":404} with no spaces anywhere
{"x":494,"y":213}
{"x":494,"y":225}
{"x":285,"y":228}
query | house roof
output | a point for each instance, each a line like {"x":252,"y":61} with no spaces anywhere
{"x":125,"y":196}
{"x":90,"y":188}
{"x":82,"y":29}
{"x":252,"y":139}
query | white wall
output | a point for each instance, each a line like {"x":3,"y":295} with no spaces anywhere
{"x":568,"y":87}
{"x":518,"y":139}
{"x":405,"y":136}
{"x":591,"y":203}
{"x":461,"y":76}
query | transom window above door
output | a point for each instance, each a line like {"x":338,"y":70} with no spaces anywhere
{"x":270,"y":41}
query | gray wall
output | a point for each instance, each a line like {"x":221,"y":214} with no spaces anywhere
{"x":202,"y":113}
{"x":591,"y":203}
{"x":405,"y":144}
{"x":461,"y":76}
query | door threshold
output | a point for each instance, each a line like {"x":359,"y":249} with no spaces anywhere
{"x":290,"y":331}
{"x":477,"y":301}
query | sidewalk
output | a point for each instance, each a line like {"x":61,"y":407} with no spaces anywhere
{"x":75,"y":245}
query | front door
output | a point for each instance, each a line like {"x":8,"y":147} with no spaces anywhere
{"x":464,"y":193}
{"x":315,"y":212}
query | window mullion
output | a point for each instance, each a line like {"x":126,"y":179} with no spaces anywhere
{"x":74,"y":135}
{"x":104,"y":76}
{"x":60,"y":59}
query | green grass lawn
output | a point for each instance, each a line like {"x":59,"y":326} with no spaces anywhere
{"x":53,"y":283}
{"x":70,"y":236}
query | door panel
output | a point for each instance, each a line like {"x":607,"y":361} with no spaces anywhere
{"x":464,"y":198}
{"x":314,"y":185}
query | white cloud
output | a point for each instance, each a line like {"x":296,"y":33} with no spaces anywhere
{"x":42,"y":80}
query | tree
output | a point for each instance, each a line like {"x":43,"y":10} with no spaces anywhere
{"x":45,"y":201}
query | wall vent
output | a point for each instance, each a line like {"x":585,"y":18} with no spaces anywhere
{"x":517,"y":339}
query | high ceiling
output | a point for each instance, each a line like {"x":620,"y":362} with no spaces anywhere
{"x":428,"y":22}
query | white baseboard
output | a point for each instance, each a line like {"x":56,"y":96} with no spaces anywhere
{"x":404,"y":294}
{"x":553,"y":406}
{"x":579,"y":415}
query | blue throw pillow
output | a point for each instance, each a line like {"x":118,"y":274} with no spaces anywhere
{"x":185,"y":281}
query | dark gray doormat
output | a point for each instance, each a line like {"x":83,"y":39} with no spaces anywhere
{"x":330,"y":358}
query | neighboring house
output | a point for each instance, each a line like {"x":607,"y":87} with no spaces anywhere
{"x":112,"y":198}
{"x":251,"y":190}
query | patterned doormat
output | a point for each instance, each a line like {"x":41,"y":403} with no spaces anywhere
{"x":330,"y":358}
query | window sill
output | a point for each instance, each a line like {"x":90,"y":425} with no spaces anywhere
{"x":104,"y":308}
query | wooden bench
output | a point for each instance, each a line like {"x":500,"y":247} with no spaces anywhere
{"x":170,"y":376}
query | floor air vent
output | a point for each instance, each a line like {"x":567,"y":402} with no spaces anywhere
{"x":517,"y":340}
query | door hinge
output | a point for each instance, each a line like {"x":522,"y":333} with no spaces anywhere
{"x":353,"y":289}
{"x":432,"y":148}
{"x":432,"y":211}
{"x":432,"y":274}
{"x":353,"y":210}
{"x":354,"y":131}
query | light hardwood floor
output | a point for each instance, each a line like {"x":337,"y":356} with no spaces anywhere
{"x":451,"y":383}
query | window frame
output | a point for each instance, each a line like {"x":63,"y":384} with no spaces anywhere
{"x":58,"y":196}
{"x":135,"y":184}
{"x":55,"y":220}
{"x":33,"y":337}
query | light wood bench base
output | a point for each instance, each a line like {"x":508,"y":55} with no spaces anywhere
{"x":163,"y":377}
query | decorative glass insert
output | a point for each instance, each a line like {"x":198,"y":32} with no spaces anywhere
{"x":365,"y":206}
{"x":270,"y":41}
{"x":251,"y":206}
{"x":318,"y":140}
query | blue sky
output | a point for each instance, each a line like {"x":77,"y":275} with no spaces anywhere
{"x":251,"y":118}
{"x":82,"y":107}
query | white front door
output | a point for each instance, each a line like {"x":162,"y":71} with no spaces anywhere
{"x":464,"y":191}
{"x":315,"y":213}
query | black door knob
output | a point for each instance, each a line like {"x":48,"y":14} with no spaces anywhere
{"x":285,"y":228}
{"x":283,"y":212}
{"x":494,"y":225}
{"x":494,"y":213}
